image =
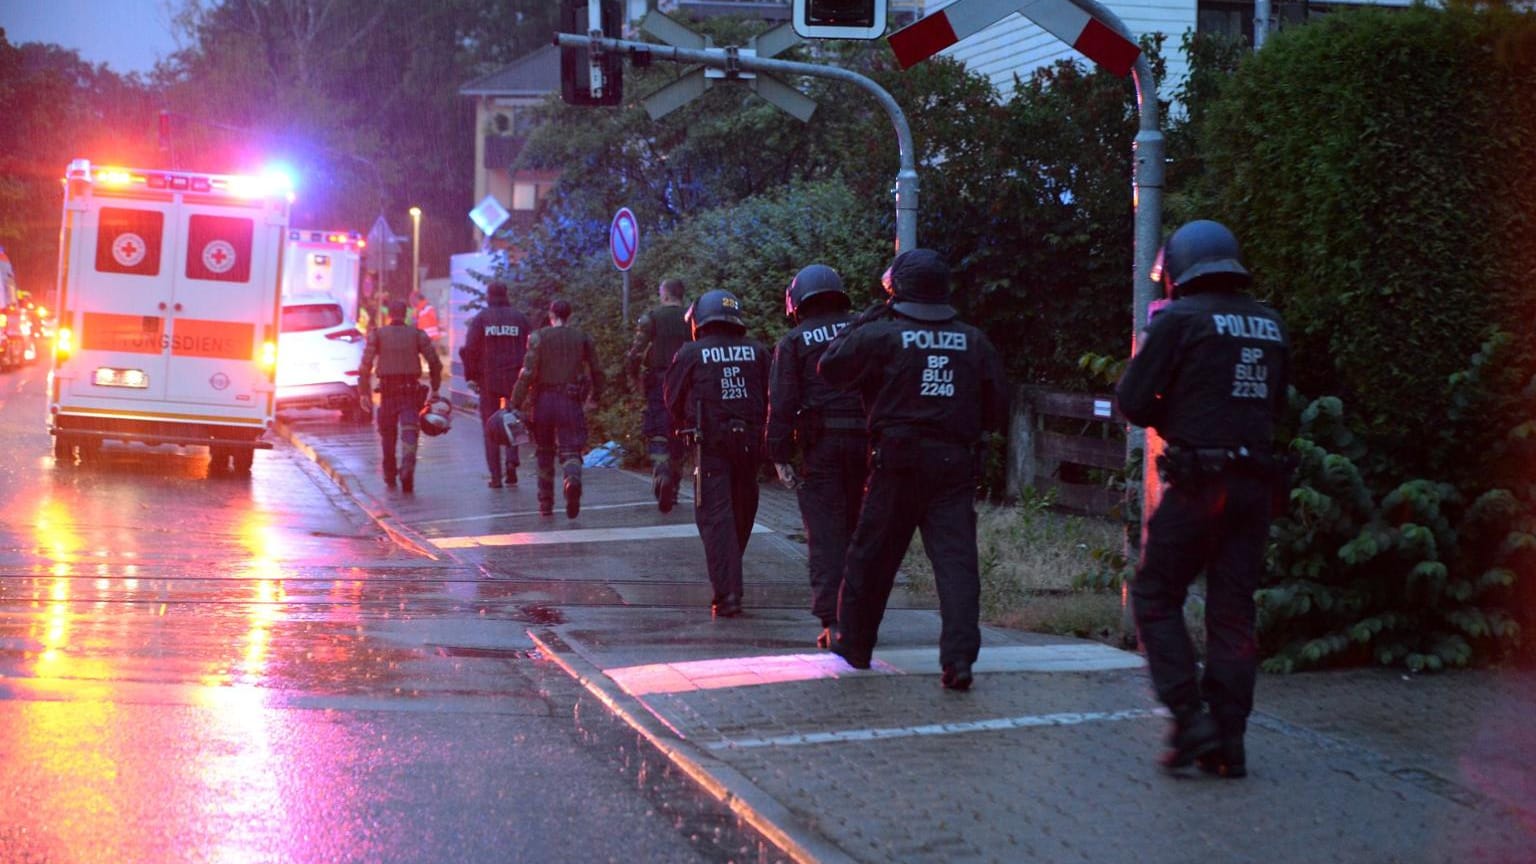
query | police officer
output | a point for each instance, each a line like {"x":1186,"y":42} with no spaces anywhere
{"x":658,"y":335}
{"x":1211,"y":378}
{"x":559,"y":381}
{"x":717,"y":387}
{"x":935,"y":384}
{"x":398,"y":350}
{"x":828,"y":424}
{"x":495,"y":341}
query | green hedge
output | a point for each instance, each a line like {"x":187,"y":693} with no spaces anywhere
{"x":1376,"y":165}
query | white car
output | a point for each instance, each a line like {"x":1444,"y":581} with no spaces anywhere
{"x":319,"y":352}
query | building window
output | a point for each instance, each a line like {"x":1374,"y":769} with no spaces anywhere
{"x":524,"y":196}
{"x":1226,"y":19}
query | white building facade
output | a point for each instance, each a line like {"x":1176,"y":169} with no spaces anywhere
{"x":1016,"y":46}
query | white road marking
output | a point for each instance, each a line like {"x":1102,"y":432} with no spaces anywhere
{"x":576,"y":535}
{"x":994,"y":725}
{"x":722,"y":672}
{"x":587,"y":508}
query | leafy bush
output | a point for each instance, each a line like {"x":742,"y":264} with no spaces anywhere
{"x":1423,"y":575}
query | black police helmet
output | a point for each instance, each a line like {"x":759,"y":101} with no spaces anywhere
{"x":920,"y":286}
{"x":812,"y":281}
{"x":435,"y":417}
{"x":715,"y":307}
{"x":1203,"y":256}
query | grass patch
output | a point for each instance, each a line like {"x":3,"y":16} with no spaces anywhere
{"x":1041,"y":570}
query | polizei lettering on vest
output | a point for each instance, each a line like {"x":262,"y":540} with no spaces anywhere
{"x":1247,"y":327}
{"x":502,"y":330}
{"x":933,"y":340}
{"x":729,"y":354}
{"x":824,"y":333}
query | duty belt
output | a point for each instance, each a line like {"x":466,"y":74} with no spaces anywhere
{"x":843,"y":424}
{"x":926,"y":436}
{"x":1181,"y":464}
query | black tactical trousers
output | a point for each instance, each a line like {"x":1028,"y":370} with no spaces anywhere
{"x":399,"y":404}
{"x":915,"y":485}
{"x":830,"y":496}
{"x":559,"y":429}
{"x":1217,"y":524}
{"x":663,"y":447}
{"x":724,"y":507}
{"x":490,"y":403}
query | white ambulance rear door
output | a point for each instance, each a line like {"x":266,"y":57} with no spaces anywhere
{"x":224,"y":302}
{"x":122,"y":252}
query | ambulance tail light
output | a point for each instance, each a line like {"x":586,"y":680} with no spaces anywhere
{"x":63,"y":344}
{"x":269,"y":355}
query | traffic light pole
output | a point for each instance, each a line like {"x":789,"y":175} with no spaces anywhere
{"x":731,"y":60}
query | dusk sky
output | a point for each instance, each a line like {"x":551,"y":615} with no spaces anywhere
{"x":127,"y":35}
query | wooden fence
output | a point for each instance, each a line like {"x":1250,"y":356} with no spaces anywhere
{"x":1053,"y":441}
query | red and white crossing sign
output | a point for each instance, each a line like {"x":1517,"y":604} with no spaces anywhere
{"x":1061,"y":18}
{"x":624,"y":239}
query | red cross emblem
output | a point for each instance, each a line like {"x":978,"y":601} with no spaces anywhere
{"x":219,"y":256}
{"x":128,"y":249}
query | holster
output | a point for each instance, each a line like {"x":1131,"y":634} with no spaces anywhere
{"x":739,"y":440}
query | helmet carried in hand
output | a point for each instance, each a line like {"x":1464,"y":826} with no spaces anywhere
{"x":513,"y":425}
{"x":436,"y":416}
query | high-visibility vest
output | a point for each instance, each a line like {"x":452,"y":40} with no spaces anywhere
{"x":424,"y":317}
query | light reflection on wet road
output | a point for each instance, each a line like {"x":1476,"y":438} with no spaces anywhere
{"x":241,"y":669}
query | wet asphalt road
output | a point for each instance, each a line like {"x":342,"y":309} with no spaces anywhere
{"x":199,"y":668}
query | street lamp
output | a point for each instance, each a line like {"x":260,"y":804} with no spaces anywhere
{"x":415,"y":250}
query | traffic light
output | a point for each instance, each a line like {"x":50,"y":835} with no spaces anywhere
{"x":576,"y":85}
{"x":839,"y":19}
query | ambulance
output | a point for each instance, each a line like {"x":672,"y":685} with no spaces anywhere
{"x":168,"y":300}
{"x":325,"y":262}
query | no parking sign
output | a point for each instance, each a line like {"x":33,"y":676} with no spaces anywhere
{"x":624,"y":239}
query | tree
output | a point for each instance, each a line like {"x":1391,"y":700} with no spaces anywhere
{"x":57,"y":108}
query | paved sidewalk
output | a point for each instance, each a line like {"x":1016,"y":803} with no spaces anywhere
{"x":1049,"y":758}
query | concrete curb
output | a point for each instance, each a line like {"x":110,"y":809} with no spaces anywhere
{"x":727,"y":785}
{"x":398,"y":533}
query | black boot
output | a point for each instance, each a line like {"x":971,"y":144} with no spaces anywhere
{"x":1194,"y":734}
{"x":957,"y":676}
{"x":1228,"y":761}
{"x":855,"y":657}
{"x":728,"y":606}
